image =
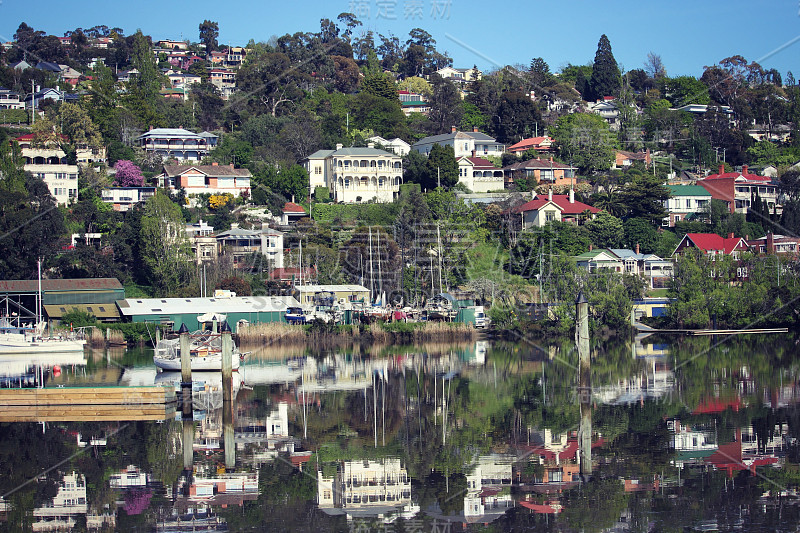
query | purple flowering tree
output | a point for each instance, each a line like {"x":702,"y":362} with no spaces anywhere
{"x":128,"y":174}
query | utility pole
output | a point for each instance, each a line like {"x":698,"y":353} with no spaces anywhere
{"x":33,"y":104}
{"x":438,"y":178}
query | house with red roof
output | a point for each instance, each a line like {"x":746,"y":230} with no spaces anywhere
{"x":479,"y":175}
{"x":623,"y":159}
{"x":292,"y":213}
{"x":540,"y":144}
{"x":712,"y":244}
{"x":739,"y":189}
{"x":559,"y":207}
{"x":542,"y":170}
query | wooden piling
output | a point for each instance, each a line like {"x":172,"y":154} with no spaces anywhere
{"x":188,"y":444}
{"x":585,"y":387}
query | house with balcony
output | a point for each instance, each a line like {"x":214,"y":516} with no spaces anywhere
{"x":203,"y":242}
{"x":544,"y":171}
{"x":464,"y":143}
{"x":84,"y":153}
{"x":364,"y":488}
{"x":50,"y":165}
{"x":653,"y":269}
{"x":223,"y":79}
{"x":686,"y":202}
{"x":10,"y":100}
{"x":239,"y":243}
{"x":356,"y":175}
{"x":479,"y":175}
{"x":205,"y":179}
{"x":124,"y":198}
{"x":739,"y":189}
{"x":178,"y":143}
{"x":608,"y":111}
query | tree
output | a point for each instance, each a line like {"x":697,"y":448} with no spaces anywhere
{"x":379,"y":85}
{"x":78,"y":126}
{"x":209,"y":105}
{"x":446,"y":109}
{"x":585,"y":141}
{"x":641,"y":232}
{"x":540,"y":74}
{"x":606,"y":79}
{"x":654,"y":66}
{"x":441,"y":167}
{"x":128,"y":174}
{"x":346,"y":74}
{"x":644,"y":197}
{"x":209,"y":31}
{"x":30,"y":221}
{"x":417,"y":85}
{"x":239,"y":286}
{"x":605,"y":230}
{"x":164,"y":248}
{"x":270,"y":80}
{"x":144,"y":87}
{"x":515,"y":118}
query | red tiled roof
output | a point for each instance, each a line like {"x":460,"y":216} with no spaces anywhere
{"x":716,"y":405}
{"x":481,"y":163}
{"x":540,"y":508}
{"x":745,"y":173}
{"x":29,"y":137}
{"x":712,"y":241}
{"x":560,"y":200}
{"x":524,"y":144}
{"x":293,"y":208}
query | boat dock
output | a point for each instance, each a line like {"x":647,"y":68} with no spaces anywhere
{"x":647,"y":330}
{"x":85,"y":404}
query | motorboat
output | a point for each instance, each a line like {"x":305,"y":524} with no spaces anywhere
{"x":18,"y":339}
{"x":205,"y":348}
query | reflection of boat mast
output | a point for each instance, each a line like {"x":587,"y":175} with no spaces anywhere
{"x":380,"y":276}
{"x":371,"y":267}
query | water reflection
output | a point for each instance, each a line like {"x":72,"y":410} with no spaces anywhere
{"x":424,"y":438}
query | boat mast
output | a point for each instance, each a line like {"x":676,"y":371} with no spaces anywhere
{"x":439,"y":244}
{"x":39,"y":295}
{"x":380,"y":276}
{"x":371,"y":269}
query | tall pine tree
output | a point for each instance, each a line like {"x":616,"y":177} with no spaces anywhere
{"x":606,"y":79}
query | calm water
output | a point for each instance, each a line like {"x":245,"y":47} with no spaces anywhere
{"x":689,"y":434}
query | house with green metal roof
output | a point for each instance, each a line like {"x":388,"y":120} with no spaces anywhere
{"x":686,"y":202}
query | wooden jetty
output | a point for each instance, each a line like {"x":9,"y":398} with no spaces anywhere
{"x":87,"y":404}
{"x":647,"y":330}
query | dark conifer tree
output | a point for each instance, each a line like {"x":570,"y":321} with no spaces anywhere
{"x":606,"y":79}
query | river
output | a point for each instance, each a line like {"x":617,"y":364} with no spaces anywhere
{"x":683,"y":434}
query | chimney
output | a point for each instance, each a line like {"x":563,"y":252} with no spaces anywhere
{"x":234,"y":225}
{"x":591,"y":247}
{"x":339,"y":146}
{"x":571,"y":196}
{"x":474,"y":129}
{"x":452,"y":129}
{"x":550,"y":194}
{"x":214,"y":164}
{"x":770,"y":243}
{"x":473,"y":153}
{"x":744,"y":170}
{"x":730,"y":235}
{"x":231,"y":165}
{"x":637,"y":248}
{"x":551,"y":158}
{"x":722,"y":169}
{"x":293,"y":198}
{"x":747,"y":237}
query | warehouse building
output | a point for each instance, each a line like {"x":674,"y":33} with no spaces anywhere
{"x":172,"y":312}
{"x":96,"y":296}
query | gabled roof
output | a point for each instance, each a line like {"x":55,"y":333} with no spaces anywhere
{"x":561,"y":201}
{"x":444,"y":137}
{"x":179,"y":133}
{"x":745,"y":174}
{"x":48,"y":66}
{"x":321,"y":154}
{"x":478,"y":162}
{"x":712,"y":242}
{"x":636,"y":156}
{"x":88,"y":284}
{"x":597,"y":255}
{"x":524,"y":144}
{"x":213,"y":171}
{"x":538,"y":164}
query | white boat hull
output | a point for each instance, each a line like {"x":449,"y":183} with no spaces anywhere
{"x":199,"y":363}
{"x":14,"y":346}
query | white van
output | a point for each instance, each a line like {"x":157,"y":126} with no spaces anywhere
{"x":480,"y":317}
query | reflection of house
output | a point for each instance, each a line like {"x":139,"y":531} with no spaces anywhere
{"x":130,"y":477}
{"x":464,"y":143}
{"x":356,"y":175}
{"x":479,"y":175}
{"x":364,"y":488}
{"x":686,"y":202}
{"x":487,"y":496}
{"x":554,"y":207}
{"x":178,"y":143}
{"x":62,"y":513}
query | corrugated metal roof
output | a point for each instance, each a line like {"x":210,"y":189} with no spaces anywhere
{"x":198,"y":306}
{"x":98,"y":310}
{"x":32,"y":285}
{"x":213,"y":171}
{"x":332,"y":288}
{"x":688,"y":190}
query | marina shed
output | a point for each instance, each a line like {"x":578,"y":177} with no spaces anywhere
{"x":59,"y":296}
{"x":172,"y":312}
{"x":349,"y":293}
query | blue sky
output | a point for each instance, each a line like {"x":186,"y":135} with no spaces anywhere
{"x":686,"y":34}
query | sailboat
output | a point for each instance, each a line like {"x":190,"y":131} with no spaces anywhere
{"x":21,"y":339}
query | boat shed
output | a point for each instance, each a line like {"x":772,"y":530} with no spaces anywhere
{"x":349,"y":293}
{"x":172,"y":312}
{"x":96,"y":296}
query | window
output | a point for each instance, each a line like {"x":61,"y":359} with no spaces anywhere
{"x":102,"y":309}
{"x":688,"y":203}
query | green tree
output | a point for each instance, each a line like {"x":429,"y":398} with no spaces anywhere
{"x":446,"y":109}
{"x":641,"y":232}
{"x":144,"y":87}
{"x":515,"y":118}
{"x":78,"y":126}
{"x":605,"y":230}
{"x":585,"y":141}
{"x":209,"y":32}
{"x":644,"y":197}
{"x":379,"y":85}
{"x":165,"y":251}
{"x":606,"y":79}
{"x":441,"y":167}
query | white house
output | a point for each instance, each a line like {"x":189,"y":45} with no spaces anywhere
{"x":239,"y":243}
{"x":686,"y":202}
{"x":396,"y":145}
{"x":480,"y":175}
{"x":9,"y":99}
{"x":206,"y":179}
{"x":472,"y":143}
{"x":608,"y":111}
{"x":460,"y":75}
{"x":124,"y":198}
{"x":356,"y":175}
{"x":50,"y":165}
{"x":178,"y":143}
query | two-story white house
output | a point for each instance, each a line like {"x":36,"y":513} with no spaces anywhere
{"x":178,"y":143}
{"x":356,"y":175}
{"x":240,"y":243}
{"x":460,"y":75}
{"x":686,"y":201}
{"x":50,"y":165}
{"x":10,"y":100}
{"x":464,"y":143}
{"x":480,"y":175}
{"x":124,"y":198}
